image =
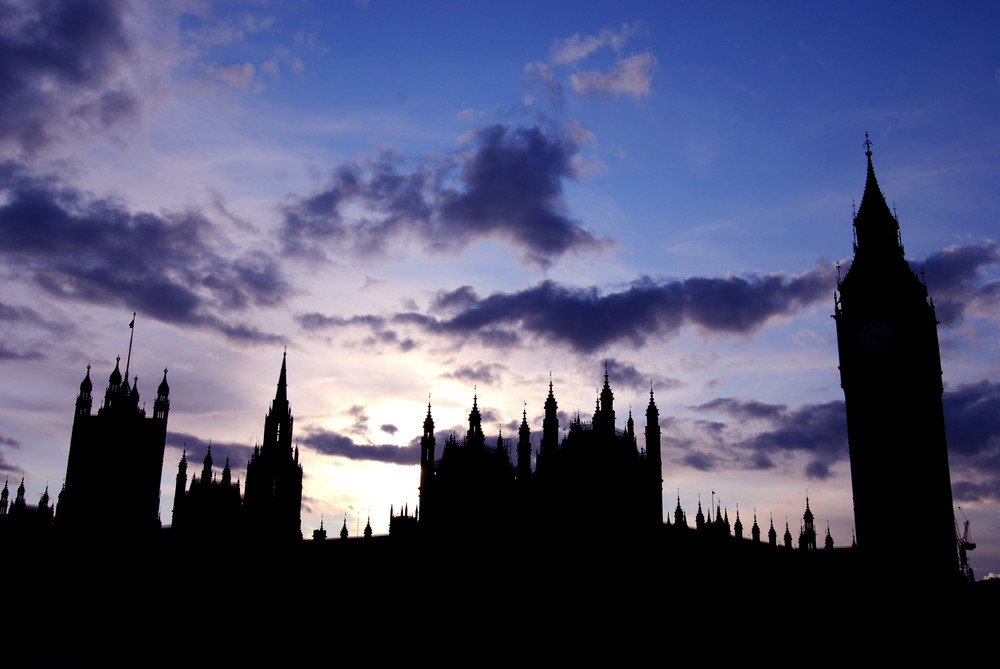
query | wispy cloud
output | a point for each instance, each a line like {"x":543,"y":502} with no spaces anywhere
{"x":578,"y":47}
{"x":631,"y":76}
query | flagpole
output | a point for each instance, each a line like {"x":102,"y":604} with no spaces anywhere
{"x":128,"y":360}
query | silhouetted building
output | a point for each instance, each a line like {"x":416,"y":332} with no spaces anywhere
{"x":807,"y":535}
{"x":272,"y":500}
{"x":475,"y":489}
{"x":271,"y":503}
{"x":890,"y":370}
{"x":20,"y":519}
{"x":119,"y":431}
{"x":211,"y":506}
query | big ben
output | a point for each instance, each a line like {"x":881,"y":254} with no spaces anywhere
{"x":890,"y":370}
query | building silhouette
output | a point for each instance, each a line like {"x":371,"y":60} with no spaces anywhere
{"x":119,"y":430}
{"x":476,"y":489}
{"x":271,"y":503}
{"x":496,"y":540}
{"x":212,"y":506}
{"x":890,"y":370}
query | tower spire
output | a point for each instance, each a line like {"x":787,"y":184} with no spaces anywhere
{"x":875,"y":227}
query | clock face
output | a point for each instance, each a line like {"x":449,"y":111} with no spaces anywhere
{"x":875,"y":337}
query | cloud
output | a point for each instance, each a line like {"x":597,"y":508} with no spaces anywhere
{"x":327,"y":442}
{"x":10,"y":354}
{"x":587,"y":320}
{"x":82,"y":248}
{"x":389,"y":428}
{"x":972,"y":421}
{"x":578,"y":47}
{"x":626,"y":375}
{"x":542,"y":74}
{"x":819,"y":430}
{"x":630,"y":76}
{"x":66,"y":68}
{"x":700,"y":460}
{"x":484,"y":373}
{"x":986,"y":491}
{"x":955,"y":280}
{"x":508,"y":187}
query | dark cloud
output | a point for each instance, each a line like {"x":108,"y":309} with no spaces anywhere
{"x":360,"y":418}
{"x":455,"y":300}
{"x":972,"y":419}
{"x":389,"y":428}
{"x":587,"y":320}
{"x":65,"y":68}
{"x":327,"y":442}
{"x":817,"y":429}
{"x":480,"y":373}
{"x":955,"y":279}
{"x":967,"y":491}
{"x":744,"y":410}
{"x":700,"y":460}
{"x":9,"y":354}
{"x":818,"y":470}
{"x":7,"y":467}
{"x":317,"y":321}
{"x":81,"y":248}
{"x":508,"y":188}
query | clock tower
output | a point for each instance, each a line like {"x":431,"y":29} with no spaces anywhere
{"x":890,"y":370}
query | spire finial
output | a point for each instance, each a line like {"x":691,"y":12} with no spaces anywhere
{"x":868,"y":145}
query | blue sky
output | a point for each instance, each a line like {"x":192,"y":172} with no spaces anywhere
{"x":435,"y":198}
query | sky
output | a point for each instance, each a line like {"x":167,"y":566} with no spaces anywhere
{"x":442,"y":200}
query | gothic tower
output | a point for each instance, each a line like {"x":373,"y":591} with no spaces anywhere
{"x":653,"y":461}
{"x":427,"y":443}
{"x":550,"y":434}
{"x":272,"y":498}
{"x":120,"y":431}
{"x":524,"y":448}
{"x":890,"y":370}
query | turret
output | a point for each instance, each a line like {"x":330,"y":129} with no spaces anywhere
{"x":427,"y":443}
{"x":162,"y":404}
{"x":550,"y":432}
{"x":654,"y":465}
{"x":179,"y":487}
{"x":679,"y":518}
{"x":206,"y":469}
{"x":524,"y":448}
{"x":84,"y":401}
{"x":476,"y":438}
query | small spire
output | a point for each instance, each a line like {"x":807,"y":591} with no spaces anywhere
{"x":868,"y":145}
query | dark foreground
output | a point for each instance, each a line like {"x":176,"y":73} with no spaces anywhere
{"x":166,"y":601}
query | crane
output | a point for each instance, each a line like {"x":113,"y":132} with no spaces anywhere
{"x":965,"y":544}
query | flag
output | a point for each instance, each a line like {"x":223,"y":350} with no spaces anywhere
{"x":131,"y":325}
